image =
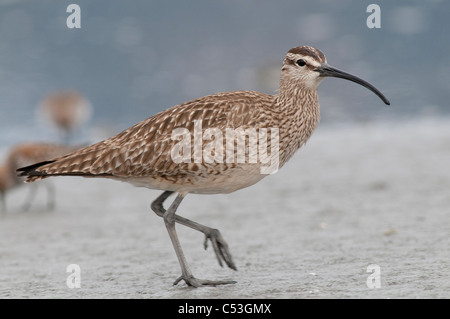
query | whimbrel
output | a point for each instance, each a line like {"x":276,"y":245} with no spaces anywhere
{"x":143,"y":155}
{"x":66,"y":110}
{"x":26,"y":154}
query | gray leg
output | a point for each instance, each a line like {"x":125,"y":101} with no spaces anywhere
{"x":3,"y":200}
{"x":50,"y":196}
{"x":219,"y":244}
{"x":31,"y":195}
{"x":186,"y":274}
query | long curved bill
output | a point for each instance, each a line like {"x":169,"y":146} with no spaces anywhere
{"x":327,"y":70}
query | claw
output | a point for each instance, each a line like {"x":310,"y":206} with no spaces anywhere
{"x":194,"y":282}
{"x":220,"y":247}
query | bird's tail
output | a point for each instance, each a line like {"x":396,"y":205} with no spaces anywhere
{"x":77,"y":163}
{"x":32,"y":173}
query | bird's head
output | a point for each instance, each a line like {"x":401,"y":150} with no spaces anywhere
{"x":307,"y":66}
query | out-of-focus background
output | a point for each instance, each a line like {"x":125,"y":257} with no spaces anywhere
{"x":130,"y":60}
{"x":137,"y":58}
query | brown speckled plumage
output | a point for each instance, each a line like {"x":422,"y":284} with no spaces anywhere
{"x":141,"y":154}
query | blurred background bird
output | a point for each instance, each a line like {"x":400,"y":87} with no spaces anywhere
{"x":65,"y":110}
{"x":24,"y":154}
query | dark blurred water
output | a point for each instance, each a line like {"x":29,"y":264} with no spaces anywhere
{"x":135,"y":58}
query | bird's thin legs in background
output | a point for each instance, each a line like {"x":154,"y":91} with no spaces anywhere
{"x":3,"y":203}
{"x":50,"y":196}
{"x":219,"y":244}
{"x":30,"y":198}
{"x":32,"y":195}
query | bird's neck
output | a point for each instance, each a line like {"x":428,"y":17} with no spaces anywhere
{"x":301,"y":101}
{"x":300,"y":114}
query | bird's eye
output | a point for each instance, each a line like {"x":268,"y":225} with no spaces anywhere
{"x":301,"y":62}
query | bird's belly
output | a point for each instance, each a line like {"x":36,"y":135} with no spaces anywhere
{"x":210,"y":184}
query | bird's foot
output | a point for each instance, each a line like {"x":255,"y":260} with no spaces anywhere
{"x":194,"y":282}
{"x":220,"y":247}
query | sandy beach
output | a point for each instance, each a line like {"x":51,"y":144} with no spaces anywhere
{"x":355,"y":195}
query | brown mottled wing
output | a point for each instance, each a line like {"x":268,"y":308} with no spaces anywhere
{"x":145,"y":148}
